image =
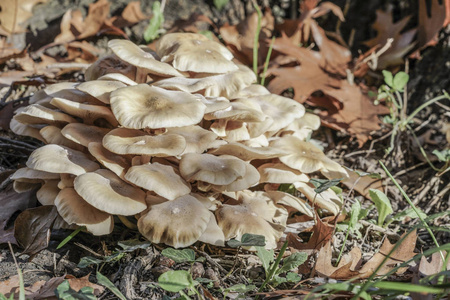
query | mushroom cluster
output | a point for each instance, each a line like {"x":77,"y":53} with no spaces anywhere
{"x":181,"y":138}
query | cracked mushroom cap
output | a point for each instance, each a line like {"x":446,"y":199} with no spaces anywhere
{"x":107,"y":192}
{"x":218,"y":170}
{"x":160,"y":179}
{"x":59,"y":159}
{"x":131,"y":141}
{"x":195,"y":53}
{"x":89,"y":113}
{"x":75,"y":210}
{"x":256,"y":213}
{"x":305,"y":157}
{"x":133,"y":54}
{"x":177,"y":223}
{"x":83,"y":134}
{"x":142,"y":106}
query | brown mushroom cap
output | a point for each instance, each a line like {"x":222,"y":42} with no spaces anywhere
{"x":133,"y":54}
{"x":172,"y":222}
{"x":131,"y":141}
{"x":74,"y":210}
{"x":107,"y":192}
{"x":158,"y":178}
{"x":218,"y":170}
{"x":32,"y":175}
{"x":142,"y":106}
{"x":110,"y":64}
{"x":59,"y":159}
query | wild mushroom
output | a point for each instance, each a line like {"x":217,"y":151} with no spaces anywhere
{"x":142,"y":106}
{"x":107,"y":192}
{"x":83,"y":134}
{"x":172,"y":223}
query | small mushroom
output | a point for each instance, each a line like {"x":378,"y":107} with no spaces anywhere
{"x":83,"y":134}
{"x":142,"y":106}
{"x":112,"y":161}
{"x":53,"y":135}
{"x":100,"y":89}
{"x":38,"y":114}
{"x":172,"y":222}
{"x":107,"y":192}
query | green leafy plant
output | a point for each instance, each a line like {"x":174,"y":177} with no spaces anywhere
{"x":179,"y":256}
{"x":64,"y":291}
{"x":154,"y":29}
{"x":220,"y":4}
{"x":177,"y":281}
{"x":382,"y":204}
{"x":103,"y":280}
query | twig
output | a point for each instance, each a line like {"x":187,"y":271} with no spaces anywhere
{"x":437,"y":197}
{"x":88,"y":249}
{"x":385,"y":231}
{"x":210,"y":260}
{"x":409,"y":169}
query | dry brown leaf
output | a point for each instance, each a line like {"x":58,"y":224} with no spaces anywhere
{"x":386,"y":29}
{"x":13,"y":13}
{"x":447,"y":13}
{"x":66,"y":26}
{"x":347,"y":265}
{"x":404,"y":252}
{"x":82,"y":52}
{"x":79,"y":283}
{"x":131,"y":15}
{"x":97,"y":15}
{"x":322,"y":233}
{"x":430,"y":26}
{"x":239,"y":38}
{"x":362,"y":184}
{"x":7,"y":51}
{"x":358,"y":115}
{"x":434,"y":266}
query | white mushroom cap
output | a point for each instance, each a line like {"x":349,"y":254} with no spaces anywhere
{"x":100,"y":89}
{"x":53,"y":135}
{"x":213,"y":234}
{"x":112,"y":161}
{"x":218,"y":170}
{"x":133,"y":54}
{"x":26,"y":130}
{"x":107,"y":192}
{"x":74,"y":210}
{"x":250,"y":178}
{"x":131,"y":141}
{"x":231,"y":131}
{"x":304,"y":156}
{"x":280,"y":173}
{"x":158,"y":178}
{"x":197,"y":139}
{"x":241,"y":110}
{"x":59,"y":159}
{"x":248,"y":153}
{"x":292,"y":201}
{"x":89,"y":113}
{"x":143,"y":106}
{"x":228,"y":85}
{"x":327,"y":199}
{"x":46,"y":195}
{"x":188,"y":85}
{"x":31,"y":175}
{"x":172,"y":222}
{"x":83,"y":134}
{"x":38,"y":114}
{"x":118,"y":77}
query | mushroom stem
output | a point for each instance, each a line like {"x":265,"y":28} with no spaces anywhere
{"x":127,"y":223}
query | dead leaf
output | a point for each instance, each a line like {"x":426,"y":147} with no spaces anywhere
{"x":7,"y":51}
{"x":362,"y":184}
{"x":386,"y":29}
{"x":82,"y":52}
{"x":240,"y":38}
{"x":195,"y":23}
{"x":65,"y":26}
{"x":402,"y":253}
{"x":322,"y":233}
{"x":8,"y":286}
{"x":79,"y":283}
{"x":347,"y":265}
{"x":97,"y":15}
{"x":32,"y":228}
{"x":434,"y":266}
{"x":131,"y":15}
{"x":7,"y":112}
{"x":430,"y":26}
{"x":13,"y":13}
{"x":358,"y":115}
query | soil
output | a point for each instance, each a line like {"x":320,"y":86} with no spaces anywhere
{"x":136,"y":272}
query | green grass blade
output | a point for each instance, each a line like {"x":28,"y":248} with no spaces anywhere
{"x":69,"y":237}
{"x":103,"y":280}
{"x":407,"y":287}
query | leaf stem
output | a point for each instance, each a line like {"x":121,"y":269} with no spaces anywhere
{"x":273,"y":269}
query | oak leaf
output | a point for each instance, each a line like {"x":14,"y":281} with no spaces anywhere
{"x":13,"y":13}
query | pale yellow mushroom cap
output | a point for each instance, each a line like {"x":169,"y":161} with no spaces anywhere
{"x":173,"y":222}
{"x":142,"y":106}
{"x":107,"y":192}
{"x":83,"y":134}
